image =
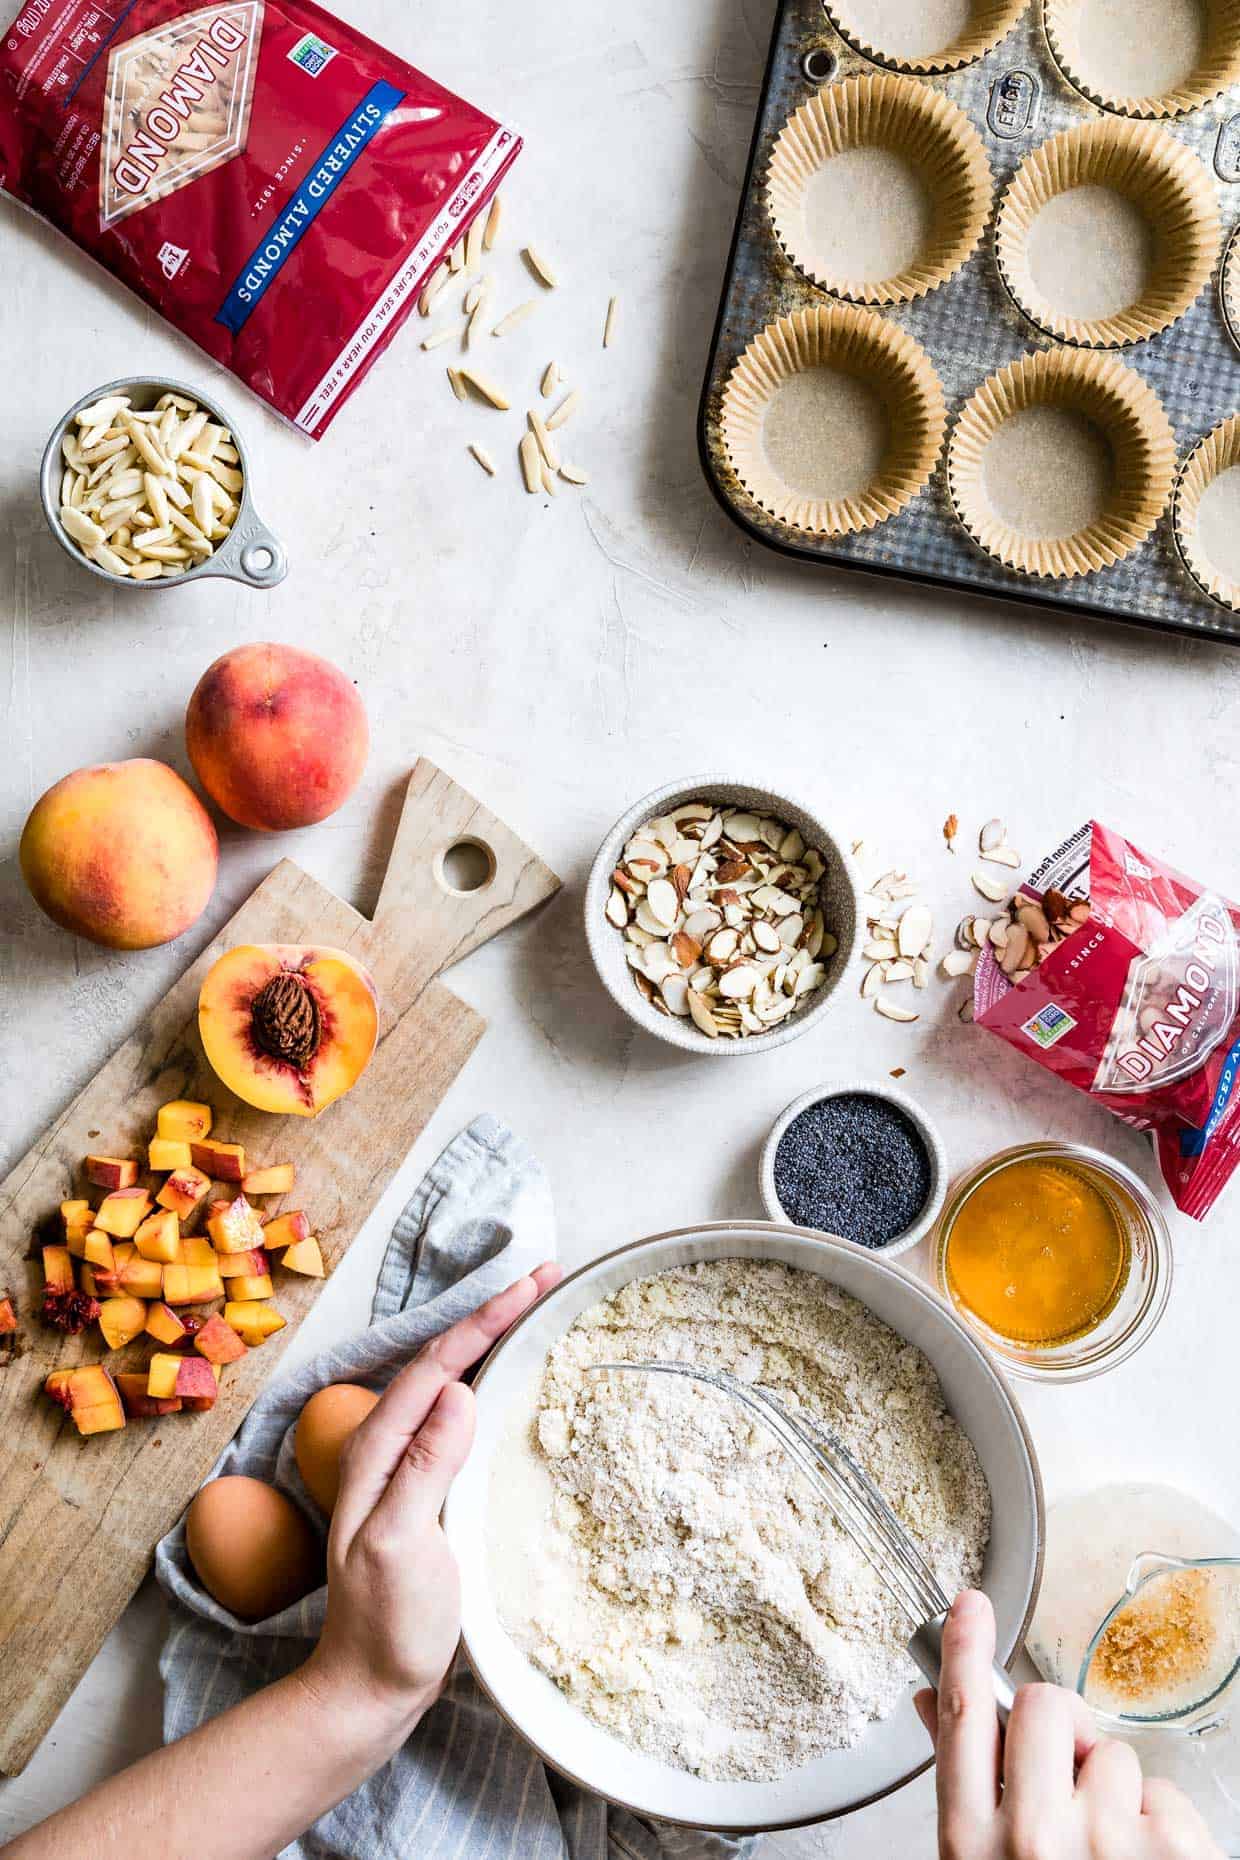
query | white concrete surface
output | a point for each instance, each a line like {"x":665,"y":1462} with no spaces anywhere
{"x":560,"y":659}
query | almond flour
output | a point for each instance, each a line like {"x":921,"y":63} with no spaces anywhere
{"x":658,"y":1556}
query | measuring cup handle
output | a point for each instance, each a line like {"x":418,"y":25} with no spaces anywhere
{"x":926,"y":1649}
{"x":253,"y":554}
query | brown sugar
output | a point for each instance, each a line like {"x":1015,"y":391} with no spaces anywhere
{"x":1162,"y":1641}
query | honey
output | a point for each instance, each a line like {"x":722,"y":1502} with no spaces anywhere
{"x":1037,"y":1253}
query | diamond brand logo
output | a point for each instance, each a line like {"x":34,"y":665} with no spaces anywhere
{"x":177,"y":105}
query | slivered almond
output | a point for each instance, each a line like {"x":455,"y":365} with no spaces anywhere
{"x":550,"y":380}
{"x":546,"y":444}
{"x":491,"y":228}
{"x":573,"y":474}
{"x":473,"y":242}
{"x":482,"y":384}
{"x":531,"y":464}
{"x":456,"y":384}
{"x":438,"y":337}
{"x":541,"y":269}
{"x":484,"y":459}
{"x":609,"y":326}
{"x":515,"y":316}
{"x":565,"y":411}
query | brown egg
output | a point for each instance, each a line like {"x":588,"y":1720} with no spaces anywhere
{"x":253,"y":1549}
{"x":324,"y":1429}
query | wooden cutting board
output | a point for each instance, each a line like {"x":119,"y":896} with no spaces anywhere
{"x":79,"y":1518}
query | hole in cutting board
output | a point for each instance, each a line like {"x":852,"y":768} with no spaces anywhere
{"x":819,"y":64}
{"x":467,"y":866}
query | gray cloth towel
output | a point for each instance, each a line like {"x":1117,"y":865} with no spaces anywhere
{"x":465,"y":1786}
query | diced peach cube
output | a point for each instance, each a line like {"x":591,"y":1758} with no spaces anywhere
{"x":76,"y":1238}
{"x":168,"y":1153}
{"x":138,"y":1277}
{"x":191,"y":1285}
{"x":218,"y":1341}
{"x":123,"y":1212}
{"x":277,"y":1179}
{"x":223,"y":1162}
{"x":121,"y":1320}
{"x":76,"y":1216}
{"x":235,"y":1228}
{"x":250,"y":1285}
{"x":190,"y":1379}
{"x":111,"y":1171}
{"x":286,"y":1230}
{"x":183,"y":1190}
{"x":159,"y":1237}
{"x":57,"y":1269}
{"x":8,"y":1318}
{"x":253,"y":1322}
{"x":138,"y":1404}
{"x":184,"y":1120}
{"x":235,"y":1265}
{"x":163,"y":1324}
{"x":97,"y":1282}
{"x":305,"y":1256}
{"x":99,"y":1252}
{"x":91,"y":1397}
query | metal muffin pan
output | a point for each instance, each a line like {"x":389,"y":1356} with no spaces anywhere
{"x":1017,"y":98}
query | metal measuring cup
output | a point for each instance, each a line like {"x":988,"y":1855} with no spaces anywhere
{"x":250,"y":553}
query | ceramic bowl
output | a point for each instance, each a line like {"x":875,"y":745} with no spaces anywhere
{"x":894,"y":1749}
{"x":250,"y":553}
{"x":841,"y":909}
{"x":916,"y":1116}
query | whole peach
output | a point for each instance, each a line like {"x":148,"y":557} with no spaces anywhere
{"x":277,"y":736}
{"x":124,"y":854}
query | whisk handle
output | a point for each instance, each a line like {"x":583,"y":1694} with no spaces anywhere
{"x":926,"y":1648}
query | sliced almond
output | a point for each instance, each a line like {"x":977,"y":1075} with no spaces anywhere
{"x":993,"y":834}
{"x":702,"y":1017}
{"x":871,"y":982}
{"x":738,"y":983}
{"x":663,"y":902}
{"x":992,"y":888}
{"x":885,"y":1006}
{"x":958,"y":962}
{"x":675,"y":992}
{"x":1003,"y":855}
{"x":723,"y":946}
{"x":915,"y":929}
{"x":617,"y":910}
{"x":878,"y":949}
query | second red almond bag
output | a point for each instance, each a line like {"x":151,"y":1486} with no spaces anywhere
{"x":274,"y":183}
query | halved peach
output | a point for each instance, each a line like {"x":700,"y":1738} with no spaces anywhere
{"x":183,"y":1190}
{"x":277,"y":1179}
{"x":121,"y":1320}
{"x":111,"y":1171}
{"x":184,"y":1120}
{"x":123,"y":1211}
{"x":288,"y":1029}
{"x":168,"y":1153}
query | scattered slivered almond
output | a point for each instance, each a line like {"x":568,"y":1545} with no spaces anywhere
{"x":438,"y":337}
{"x":432,"y":290}
{"x":473,"y":242}
{"x":456,"y":384}
{"x":550,"y":380}
{"x":515,"y":316}
{"x":483,"y":385}
{"x":484,"y":459}
{"x":573,"y":474}
{"x":546,"y":445}
{"x":531,"y":463}
{"x":548,"y":477}
{"x":491,"y":229}
{"x":609,"y":326}
{"x":540,"y":267}
{"x":475,"y":294}
{"x":565,"y":411}
{"x":456,"y":257}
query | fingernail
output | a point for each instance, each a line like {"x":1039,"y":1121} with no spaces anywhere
{"x":969,"y":1605}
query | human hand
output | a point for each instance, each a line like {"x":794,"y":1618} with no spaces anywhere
{"x":1107,"y":1811}
{"x":393,"y":1595}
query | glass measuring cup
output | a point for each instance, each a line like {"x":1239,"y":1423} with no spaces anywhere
{"x":1167,"y":1653}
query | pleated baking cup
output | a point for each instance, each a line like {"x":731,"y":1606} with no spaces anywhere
{"x":878,"y":189}
{"x":920,"y":36}
{"x":1205,"y":513}
{"x":833,"y":419}
{"x":1107,"y":233}
{"x":1171,"y":56}
{"x":1061,"y":463}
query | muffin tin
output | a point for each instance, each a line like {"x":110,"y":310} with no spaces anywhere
{"x":1156,"y":396}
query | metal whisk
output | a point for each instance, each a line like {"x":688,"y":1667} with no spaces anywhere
{"x":857,"y":1504}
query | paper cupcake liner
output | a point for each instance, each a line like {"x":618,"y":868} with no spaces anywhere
{"x":849,"y":341}
{"x":1217,"y":67}
{"x":909,"y":119}
{"x":1126,"y":409}
{"x":989,"y":21}
{"x":1218,"y":452}
{"x":1229,"y":287}
{"x":1156,"y":172}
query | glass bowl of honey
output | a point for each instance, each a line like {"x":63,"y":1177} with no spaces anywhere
{"x":1057,"y":1257}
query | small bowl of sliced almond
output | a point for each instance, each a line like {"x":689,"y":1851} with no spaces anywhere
{"x":722,"y":917}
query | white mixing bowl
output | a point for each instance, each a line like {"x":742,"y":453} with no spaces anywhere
{"x":893,"y":1750}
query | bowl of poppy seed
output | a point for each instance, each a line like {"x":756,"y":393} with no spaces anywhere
{"x":859,"y":1160}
